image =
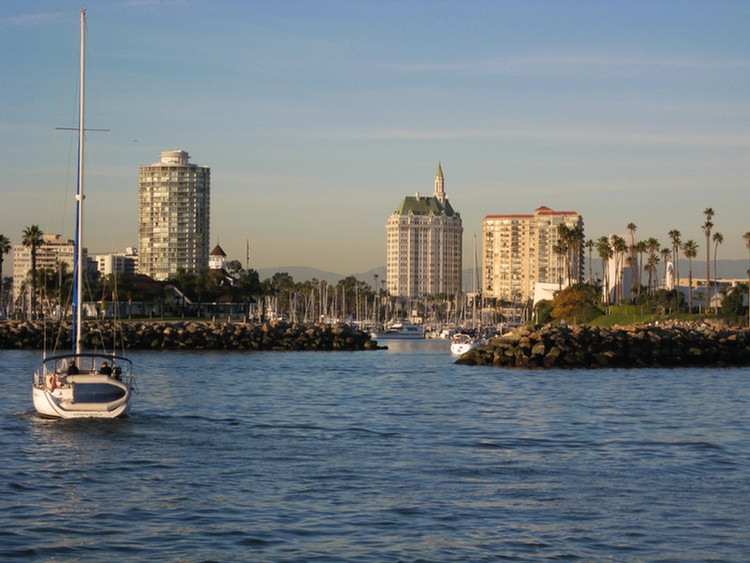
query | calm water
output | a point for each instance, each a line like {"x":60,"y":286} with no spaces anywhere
{"x":394,"y":455}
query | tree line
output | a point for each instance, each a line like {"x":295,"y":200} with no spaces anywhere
{"x":644,"y":258}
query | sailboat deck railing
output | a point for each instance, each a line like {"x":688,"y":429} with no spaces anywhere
{"x":86,"y":363}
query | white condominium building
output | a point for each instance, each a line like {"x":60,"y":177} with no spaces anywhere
{"x":117,"y":263}
{"x":424,"y":246}
{"x":173,"y":216}
{"x":520,"y":251}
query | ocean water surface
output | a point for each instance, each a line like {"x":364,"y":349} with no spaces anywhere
{"x":391,"y":455}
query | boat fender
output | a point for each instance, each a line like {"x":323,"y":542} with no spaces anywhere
{"x":52,"y":382}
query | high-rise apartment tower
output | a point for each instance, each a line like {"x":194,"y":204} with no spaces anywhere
{"x":424,"y":246}
{"x":173,"y":216}
{"x":519,"y":251}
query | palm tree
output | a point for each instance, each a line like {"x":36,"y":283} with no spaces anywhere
{"x":653,"y":262}
{"x":576,"y":243}
{"x":590,"y":245}
{"x":560,"y":249}
{"x":605,"y":253}
{"x":33,"y":239}
{"x":632,"y":227}
{"x":690,"y":250}
{"x":620,"y":247}
{"x":674,"y":236}
{"x":641,"y":247}
{"x":653,"y":246}
{"x":4,"y":249}
{"x":707,"y":226}
{"x":665,"y":252}
{"x":718,"y":239}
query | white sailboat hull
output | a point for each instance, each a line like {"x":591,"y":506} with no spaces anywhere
{"x":50,"y":406}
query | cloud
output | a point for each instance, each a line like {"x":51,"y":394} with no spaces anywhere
{"x":33,"y":20}
{"x":555,"y":64}
{"x":568,"y":136}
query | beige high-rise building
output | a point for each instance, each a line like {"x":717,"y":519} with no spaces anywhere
{"x":173,"y":216}
{"x":518,"y":251}
{"x":54,"y":249}
{"x":424,"y":245}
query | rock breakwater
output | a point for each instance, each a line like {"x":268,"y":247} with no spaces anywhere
{"x":187,"y":335}
{"x":577,"y":346}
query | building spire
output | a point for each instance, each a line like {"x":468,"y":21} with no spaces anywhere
{"x":439,"y":184}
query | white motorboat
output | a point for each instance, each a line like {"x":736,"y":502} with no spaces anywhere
{"x":399,"y":330}
{"x":82,"y":384}
{"x":462,"y":343}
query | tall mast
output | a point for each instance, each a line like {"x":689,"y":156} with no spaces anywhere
{"x":79,"y":264}
{"x":474,"y":309}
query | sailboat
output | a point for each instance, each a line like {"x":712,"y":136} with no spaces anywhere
{"x":463,"y":342}
{"x":82,"y":384}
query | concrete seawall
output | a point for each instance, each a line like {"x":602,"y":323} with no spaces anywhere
{"x":186,"y":335}
{"x":577,"y":346}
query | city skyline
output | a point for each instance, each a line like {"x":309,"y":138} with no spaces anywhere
{"x":317,"y":118}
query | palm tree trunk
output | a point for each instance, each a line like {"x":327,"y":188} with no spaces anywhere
{"x":708,"y":272}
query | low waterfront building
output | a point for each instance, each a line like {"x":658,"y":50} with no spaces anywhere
{"x":424,"y":238}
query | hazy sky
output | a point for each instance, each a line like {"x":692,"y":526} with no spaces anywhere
{"x":317,"y":118}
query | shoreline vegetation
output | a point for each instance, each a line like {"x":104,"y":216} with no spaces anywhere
{"x":632,"y":346}
{"x":186,"y":335}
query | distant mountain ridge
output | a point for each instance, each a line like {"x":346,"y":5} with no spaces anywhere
{"x":728,"y":269}
{"x":306,"y":273}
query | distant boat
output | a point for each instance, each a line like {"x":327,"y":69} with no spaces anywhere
{"x":399,"y":331}
{"x":82,"y":384}
{"x":462,"y":343}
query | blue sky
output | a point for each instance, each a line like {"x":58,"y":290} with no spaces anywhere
{"x":317,"y":118}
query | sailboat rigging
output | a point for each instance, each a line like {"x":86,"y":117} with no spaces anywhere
{"x":82,"y":384}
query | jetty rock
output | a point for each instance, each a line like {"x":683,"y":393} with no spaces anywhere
{"x":186,"y":335}
{"x":633,"y":346}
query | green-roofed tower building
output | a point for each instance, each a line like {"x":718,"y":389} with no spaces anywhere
{"x":424,"y":245}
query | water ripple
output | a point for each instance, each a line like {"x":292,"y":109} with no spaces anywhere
{"x":391,"y":456}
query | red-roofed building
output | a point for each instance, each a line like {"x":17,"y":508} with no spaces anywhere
{"x":217,"y":259}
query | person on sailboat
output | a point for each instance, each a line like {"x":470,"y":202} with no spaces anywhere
{"x":73,"y":368}
{"x":105,"y":369}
